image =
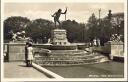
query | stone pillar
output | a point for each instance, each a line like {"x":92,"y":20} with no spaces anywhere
{"x":115,"y":49}
{"x":16,"y":51}
{"x":59,"y":37}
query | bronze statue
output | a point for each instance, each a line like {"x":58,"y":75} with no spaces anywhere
{"x":56,"y":16}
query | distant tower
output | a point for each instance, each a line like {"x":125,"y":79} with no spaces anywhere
{"x":99,"y":16}
{"x":99,"y":13}
{"x":109,"y":14}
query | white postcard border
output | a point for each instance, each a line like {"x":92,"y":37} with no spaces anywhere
{"x":72,"y":79}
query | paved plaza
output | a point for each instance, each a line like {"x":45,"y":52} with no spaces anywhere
{"x":19,"y":70}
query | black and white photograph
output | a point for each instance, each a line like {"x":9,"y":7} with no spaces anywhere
{"x":82,"y":40}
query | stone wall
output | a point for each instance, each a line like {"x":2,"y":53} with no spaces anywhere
{"x":15,"y":51}
{"x":115,"y":49}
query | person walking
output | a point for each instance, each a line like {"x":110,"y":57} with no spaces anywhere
{"x":30,"y":54}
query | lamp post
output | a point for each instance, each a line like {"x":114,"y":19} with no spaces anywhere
{"x":99,"y":14}
{"x":65,"y":14}
{"x":99,"y":20}
{"x":109,"y":15}
{"x":84,"y":32}
{"x":109,"y":19}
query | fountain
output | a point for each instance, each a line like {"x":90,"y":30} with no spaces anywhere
{"x":63,"y":53}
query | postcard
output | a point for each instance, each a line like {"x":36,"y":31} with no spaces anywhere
{"x":63,"y":40}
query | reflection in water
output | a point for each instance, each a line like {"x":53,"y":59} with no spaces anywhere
{"x":108,"y":70}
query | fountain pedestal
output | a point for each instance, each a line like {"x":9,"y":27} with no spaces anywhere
{"x":59,"y":37}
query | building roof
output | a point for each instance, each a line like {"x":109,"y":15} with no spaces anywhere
{"x":118,"y":14}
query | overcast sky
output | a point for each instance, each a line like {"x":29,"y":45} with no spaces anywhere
{"x":76,"y":11}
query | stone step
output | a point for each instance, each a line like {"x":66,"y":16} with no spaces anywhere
{"x":67,"y":63}
{"x":59,"y":51}
{"x":67,"y":51}
{"x":75,"y":64}
{"x":60,"y":59}
{"x":71,"y":54}
{"x":60,"y":63}
{"x":67,"y":56}
{"x":56,"y":59}
{"x":64,"y":51}
{"x":53,"y":60}
{"x":82,"y":54}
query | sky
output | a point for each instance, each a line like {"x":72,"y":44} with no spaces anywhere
{"x":76,"y":11}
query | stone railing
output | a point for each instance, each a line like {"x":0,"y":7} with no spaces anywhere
{"x":115,"y":49}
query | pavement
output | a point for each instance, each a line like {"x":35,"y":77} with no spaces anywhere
{"x":19,"y":70}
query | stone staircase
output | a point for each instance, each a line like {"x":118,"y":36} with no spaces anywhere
{"x":68,"y":58}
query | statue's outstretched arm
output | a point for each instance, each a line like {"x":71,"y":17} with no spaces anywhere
{"x":65,"y":11}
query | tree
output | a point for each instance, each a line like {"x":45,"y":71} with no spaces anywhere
{"x":101,"y":29}
{"x":92,"y":25}
{"x":105,"y":30}
{"x":39,"y":28}
{"x":14,"y":24}
{"x":74,"y":30}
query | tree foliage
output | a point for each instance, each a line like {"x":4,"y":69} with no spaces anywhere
{"x":92,"y":27}
{"x":99,"y":28}
{"x":39,"y":28}
{"x":76,"y":32}
{"x":15,"y":23}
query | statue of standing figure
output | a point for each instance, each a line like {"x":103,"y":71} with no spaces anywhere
{"x":56,"y":16}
